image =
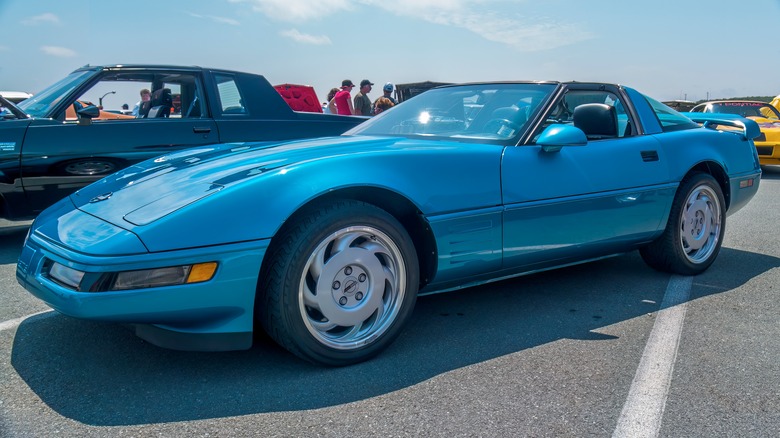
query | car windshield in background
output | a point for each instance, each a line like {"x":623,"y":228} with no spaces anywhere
{"x":485,"y":112}
{"x":746,"y":109}
{"x":41,"y":104}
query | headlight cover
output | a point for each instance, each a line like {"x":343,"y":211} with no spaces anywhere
{"x":168,"y":276}
{"x":129,"y":280}
{"x":67,"y":276}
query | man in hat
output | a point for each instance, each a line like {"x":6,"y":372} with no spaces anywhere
{"x":388,"y":94}
{"x":342,"y":102}
{"x":362,"y":101}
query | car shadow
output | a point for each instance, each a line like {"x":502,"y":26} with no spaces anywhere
{"x":101,"y":374}
{"x":13,"y":239}
{"x":770,"y":172}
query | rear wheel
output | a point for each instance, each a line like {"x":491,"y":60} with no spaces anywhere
{"x":341,"y":283}
{"x":694,"y":232}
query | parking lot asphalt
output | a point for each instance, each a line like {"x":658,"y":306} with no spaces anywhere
{"x":560,"y":353}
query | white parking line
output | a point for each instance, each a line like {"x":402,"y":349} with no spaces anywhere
{"x":644,"y":408}
{"x":14,"y":323}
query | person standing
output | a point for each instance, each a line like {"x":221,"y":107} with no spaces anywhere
{"x":362,"y":101}
{"x":331,"y":95}
{"x":342,"y":101}
{"x":387,"y":89}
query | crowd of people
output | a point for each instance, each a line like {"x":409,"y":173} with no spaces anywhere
{"x":340,"y":100}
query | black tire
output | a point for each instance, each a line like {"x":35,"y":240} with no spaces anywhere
{"x":340,"y":283}
{"x":694,"y":232}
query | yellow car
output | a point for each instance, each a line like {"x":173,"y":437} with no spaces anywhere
{"x":765,"y":114}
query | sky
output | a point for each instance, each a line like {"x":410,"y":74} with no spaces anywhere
{"x":668,"y":49}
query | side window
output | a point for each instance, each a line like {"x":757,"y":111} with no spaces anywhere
{"x":122,"y":96}
{"x":115,"y":98}
{"x":604,"y":120}
{"x":230,"y":98}
{"x":621,"y":126}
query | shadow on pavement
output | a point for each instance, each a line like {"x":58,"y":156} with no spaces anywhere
{"x":12,"y":239}
{"x":101,"y":374}
{"x":770,"y":172}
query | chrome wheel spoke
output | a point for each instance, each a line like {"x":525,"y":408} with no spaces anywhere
{"x":322,"y":326}
{"x":309,"y":298}
{"x":318,"y":261}
{"x":345,"y":241}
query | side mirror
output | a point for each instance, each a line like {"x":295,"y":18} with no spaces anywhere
{"x":85,"y":114}
{"x":554,"y":137}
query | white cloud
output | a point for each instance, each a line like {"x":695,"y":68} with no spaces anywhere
{"x":515,"y":30}
{"x":295,"y":35}
{"x":220,"y":20}
{"x":60,"y":52}
{"x":47,"y":18}
{"x":296,"y":11}
{"x":477,"y":16}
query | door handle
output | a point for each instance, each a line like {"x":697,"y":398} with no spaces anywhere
{"x":198,"y":130}
{"x":649,"y":156}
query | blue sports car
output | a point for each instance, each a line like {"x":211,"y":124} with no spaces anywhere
{"x":326,"y":243}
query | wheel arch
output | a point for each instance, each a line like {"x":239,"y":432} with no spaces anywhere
{"x":400,"y":207}
{"x":716,"y":171}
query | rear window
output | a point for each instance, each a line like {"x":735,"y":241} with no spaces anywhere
{"x":670,"y":119}
{"x":229,"y":95}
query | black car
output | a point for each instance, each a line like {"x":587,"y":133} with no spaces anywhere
{"x":94,"y":122}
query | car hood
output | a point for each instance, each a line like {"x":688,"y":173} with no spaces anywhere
{"x":144,"y":193}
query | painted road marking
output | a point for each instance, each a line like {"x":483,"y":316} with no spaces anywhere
{"x":14,"y":323}
{"x":644,"y":408}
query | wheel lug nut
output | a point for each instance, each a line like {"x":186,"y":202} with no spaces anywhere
{"x":359,"y":296}
{"x":336,"y":285}
{"x":348,"y":270}
{"x":343,"y":301}
{"x":362,"y":278}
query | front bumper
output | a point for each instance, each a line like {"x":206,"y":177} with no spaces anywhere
{"x":214,"y":315}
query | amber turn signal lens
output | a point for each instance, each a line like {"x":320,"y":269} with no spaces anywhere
{"x":202,"y":272}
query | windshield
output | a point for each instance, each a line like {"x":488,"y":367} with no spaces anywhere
{"x":41,"y":104}
{"x":499,"y":112}
{"x":745,"y":109}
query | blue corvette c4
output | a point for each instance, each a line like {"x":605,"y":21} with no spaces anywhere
{"x":326,"y":243}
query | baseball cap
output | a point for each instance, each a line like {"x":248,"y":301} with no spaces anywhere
{"x":347,"y":83}
{"x":388,"y":86}
{"x":365,"y":82}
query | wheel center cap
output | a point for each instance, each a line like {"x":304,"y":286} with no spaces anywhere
{"x":350,"y":285}
{"x":347,"y":299}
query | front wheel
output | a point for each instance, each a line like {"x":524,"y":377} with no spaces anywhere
{"x":341,"y":283}
{"x":694,"y":232}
